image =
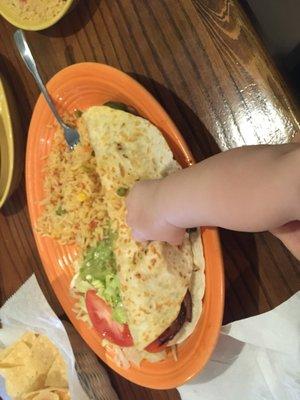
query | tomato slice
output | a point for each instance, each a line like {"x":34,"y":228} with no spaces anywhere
{"x":100,"y":314}
{"x":155,"y":347}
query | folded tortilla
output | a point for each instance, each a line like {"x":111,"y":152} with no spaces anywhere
{"x":154,"y":276}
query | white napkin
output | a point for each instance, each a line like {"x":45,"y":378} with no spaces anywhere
{"x":257,"y":358}
{"x":28,"y":310}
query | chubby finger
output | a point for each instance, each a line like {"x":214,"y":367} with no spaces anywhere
{"x":176,"y":238}
{"x":138,"y":236}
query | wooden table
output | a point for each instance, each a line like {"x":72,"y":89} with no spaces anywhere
{"x":202,"y":60}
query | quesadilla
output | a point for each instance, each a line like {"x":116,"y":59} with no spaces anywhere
{"x":146,"y":295}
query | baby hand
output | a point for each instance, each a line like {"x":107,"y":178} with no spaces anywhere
{"x":145,"y":215}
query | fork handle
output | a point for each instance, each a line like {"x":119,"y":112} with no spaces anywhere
{"x":28,"y":59}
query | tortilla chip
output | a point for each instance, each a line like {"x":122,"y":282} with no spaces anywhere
{"x":48,"y":394}
{"x":20,"y":380}
{"x":63,"y":394}
{"x":43,"y":354}
{"x":14,"y":355}
{"x":29,"y":338}
{"x":15,"y":368}
{"x":57,"y":375}
{"x":4,"y":352}
{"x":45,"y":394}
{"x":27,"y":364}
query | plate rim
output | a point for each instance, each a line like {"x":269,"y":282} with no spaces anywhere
{"x":8,"y":133}
{"x":18,"y":23}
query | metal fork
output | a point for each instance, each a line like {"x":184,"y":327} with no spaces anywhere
{"x":71,"y":134}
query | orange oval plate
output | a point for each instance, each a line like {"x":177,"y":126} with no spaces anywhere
{"x":78,"y":87}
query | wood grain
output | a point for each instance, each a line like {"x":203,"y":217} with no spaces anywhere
{"x":93,"y":376}
{"x":205,"y":64}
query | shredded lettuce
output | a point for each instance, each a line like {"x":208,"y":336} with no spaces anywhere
{"x":80,"y":285}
